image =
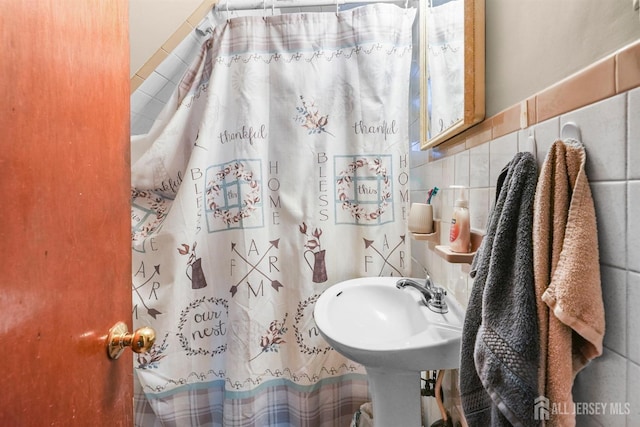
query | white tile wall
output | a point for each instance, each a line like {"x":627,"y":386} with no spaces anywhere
{"x":154,"y":84}
{"x":610,"y":202}
{"x":479,"y":166}
{"x":148,"y":100}
{"x":501,"y":151}
{"x":479,"y":208}
{"x":611,"y":133}
{"x":633,"y":227}
{"x":633,"y":379}
{"x":604,"y":380}
{"x":545,"y":133}
{"x":633,"y":318}
{"x":634,"y":135}
{"x":614,"y":294}
{"x":604,"y":130}
{"x":185,"y":50}
{"x":461,"y":169}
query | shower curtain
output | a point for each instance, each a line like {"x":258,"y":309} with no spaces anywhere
{"x":279,"y":168}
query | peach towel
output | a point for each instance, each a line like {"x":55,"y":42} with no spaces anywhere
{"x":567,"y":275}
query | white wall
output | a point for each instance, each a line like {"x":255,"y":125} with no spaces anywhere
{"x":151,"y":23}
{"x":531,"y":44}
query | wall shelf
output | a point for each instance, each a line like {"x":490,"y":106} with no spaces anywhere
{"x":431,"y":237}
{"x":460,"y":258}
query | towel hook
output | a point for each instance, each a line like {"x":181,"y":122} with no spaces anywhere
{"x":533,"y":144}
{"x":570,"y":131}
{"x":226,"y":3}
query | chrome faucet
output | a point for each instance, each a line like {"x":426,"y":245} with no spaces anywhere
{"x":425,"y":290}
{"x":432,"y":296}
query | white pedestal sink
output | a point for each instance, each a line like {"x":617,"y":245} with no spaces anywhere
{"x":393,"y":334}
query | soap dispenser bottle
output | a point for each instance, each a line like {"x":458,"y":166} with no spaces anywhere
{"x":460,"y":232}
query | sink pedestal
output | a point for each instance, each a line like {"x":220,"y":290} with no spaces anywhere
{"x":395,"y":336}
{"x":395,"y":397}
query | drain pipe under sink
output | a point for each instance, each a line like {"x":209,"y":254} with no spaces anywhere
{"x":446,"y":418}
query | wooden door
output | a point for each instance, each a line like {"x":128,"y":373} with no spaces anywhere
{"x":65,"y":263}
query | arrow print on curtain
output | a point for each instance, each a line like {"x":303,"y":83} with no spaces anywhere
{"x":255,"y":267}
{"x":150,"y":310}
{"x":385,"y":259}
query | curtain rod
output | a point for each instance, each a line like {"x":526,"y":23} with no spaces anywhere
{"x":224,"y":5}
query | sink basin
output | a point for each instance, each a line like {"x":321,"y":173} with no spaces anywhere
{"x":394,"y":335}
{"x":374,"y":323}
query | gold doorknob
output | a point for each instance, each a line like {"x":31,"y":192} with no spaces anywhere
{"x":119,"y":337}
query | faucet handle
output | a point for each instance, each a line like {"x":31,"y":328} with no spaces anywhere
{"x":437,"y":303}
{"x":427,"y":279}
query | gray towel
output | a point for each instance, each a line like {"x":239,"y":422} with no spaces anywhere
{"x":500,"y":345}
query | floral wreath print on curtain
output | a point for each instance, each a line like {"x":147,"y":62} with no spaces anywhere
{"x":348,"y":181}
{"x":234,"y":181}
{"x":203,"y":324}
{"x":148,"y":211}
{"x":304,"y":314}
{"x":313,"y":247}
